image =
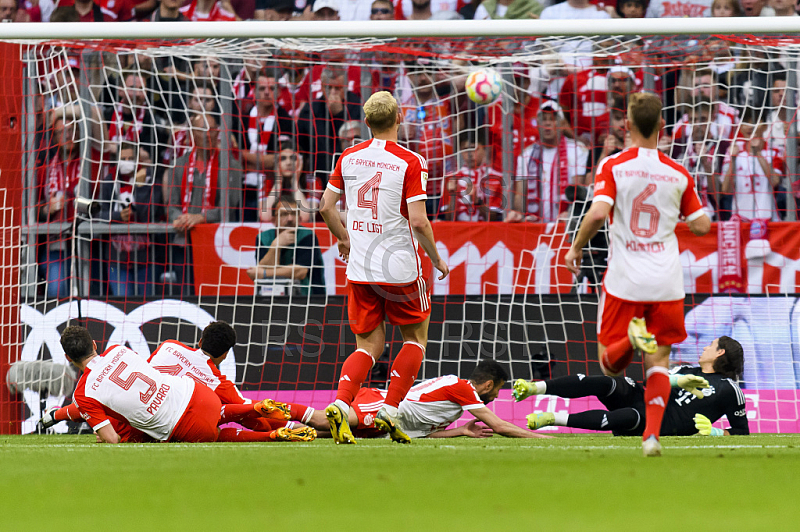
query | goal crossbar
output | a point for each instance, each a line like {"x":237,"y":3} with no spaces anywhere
{"x":390,"y":29}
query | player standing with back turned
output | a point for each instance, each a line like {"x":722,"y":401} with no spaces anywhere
{"x":644,"y":193}
{"x":384,"y":185}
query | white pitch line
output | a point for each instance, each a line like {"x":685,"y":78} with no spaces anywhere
{"x":309,"y":446}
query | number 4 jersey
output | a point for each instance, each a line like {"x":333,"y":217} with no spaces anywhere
{"x":649,"y":192}
{"x":379,"y":179}
{"x":120,"y":384}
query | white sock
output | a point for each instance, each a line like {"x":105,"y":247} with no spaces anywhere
{"x":344,"y":406}
{"x":391,"y":410}
{"x":561,"y":419}
{"x":541,"y":387}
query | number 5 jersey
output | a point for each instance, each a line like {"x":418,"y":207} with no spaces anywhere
{"x":120,"y":384}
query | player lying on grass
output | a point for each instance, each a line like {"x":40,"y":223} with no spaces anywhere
{"x":433,"y":405}
{"x":202,"y":365}
{"x":120,"y":385}
{"x":689,"y":410}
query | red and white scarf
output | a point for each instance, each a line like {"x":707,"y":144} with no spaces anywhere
{"x":210,"y":190}
{"x":559,"y":180}
{"x":216,"y":14}
{"x":119,"y":130}
{"x":63,"y":178}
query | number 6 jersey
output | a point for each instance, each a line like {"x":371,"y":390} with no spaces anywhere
{"x":120,"y":384}
{"x":379,"y":179}
{"x":649,"y":192}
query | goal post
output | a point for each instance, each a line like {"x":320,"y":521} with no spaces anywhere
{"x":113,"y":115}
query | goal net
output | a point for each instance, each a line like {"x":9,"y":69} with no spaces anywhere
{"x":155,"y":175}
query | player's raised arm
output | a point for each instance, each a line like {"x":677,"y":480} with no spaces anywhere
{"x":418,"y":218}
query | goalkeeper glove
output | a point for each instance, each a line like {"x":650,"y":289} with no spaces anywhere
{"x":690,"y":383}
{"x":703,"y":426}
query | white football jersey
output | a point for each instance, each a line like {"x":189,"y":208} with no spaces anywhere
{"x":434,"y":404}
{"x":379,"y":179}
{"x":174,"y":358}
{"x":121,"y":384}
{"x":649,"y":192}
{"x":753,"y":197}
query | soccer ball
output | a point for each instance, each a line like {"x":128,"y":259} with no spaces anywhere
{"x":484,"y":86}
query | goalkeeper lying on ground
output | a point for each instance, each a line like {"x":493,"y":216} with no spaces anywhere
{"x":700,"y":396}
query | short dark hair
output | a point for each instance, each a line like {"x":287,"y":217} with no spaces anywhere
{"x":286,"y":199}
{"x":780,"y":75}
{"x":218,"y":337}
{"x":478,"y":137}
{"x":621,"y":4}
{"x":77,"y":343}
{"x":731,"y":363}
{"x":288,"y":144}
{"x":644,"y":111}
{"x":488,"y":370}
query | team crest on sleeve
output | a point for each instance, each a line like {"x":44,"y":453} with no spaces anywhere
{"x":424,"y":180}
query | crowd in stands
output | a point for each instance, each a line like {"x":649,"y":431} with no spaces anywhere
{"x":164,"y":145}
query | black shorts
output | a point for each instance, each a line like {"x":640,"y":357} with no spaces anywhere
{"x":627,"y":393}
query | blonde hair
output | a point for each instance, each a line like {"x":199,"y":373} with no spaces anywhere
{"x":644,"y":110}
{"x":381,"y":112}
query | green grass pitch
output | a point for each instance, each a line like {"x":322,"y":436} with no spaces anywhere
{"x":62,"y":483}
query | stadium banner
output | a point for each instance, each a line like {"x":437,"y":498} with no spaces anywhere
{"x":498,"y":258}
{"x":300,"y":361}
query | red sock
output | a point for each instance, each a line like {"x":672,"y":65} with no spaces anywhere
{"x":237,"y":413}
{"x":300,"y":413}
{"x":404,"y":372}
{"x":238,"y":435}
{"x":618,"y":355}
{"x":656,"y":395}
{"x":69,"y":412}
{"x":354,"y":371}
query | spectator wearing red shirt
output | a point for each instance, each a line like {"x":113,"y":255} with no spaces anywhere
{"x":267,"y":125}
{"x":209,"y":11}
{"x":524,"y":128}
{"x":475,"y":192}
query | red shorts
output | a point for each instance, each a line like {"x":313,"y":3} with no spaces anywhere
{"x":665,"y":319}
{"x":199,"y":422}
{"x":369,"y":304}
{"x":366,"y":404}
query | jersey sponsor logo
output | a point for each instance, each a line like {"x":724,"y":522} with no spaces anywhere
{"x":740,"y":413}
{"x":644,"y":247}
{"x":600,"y":186}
